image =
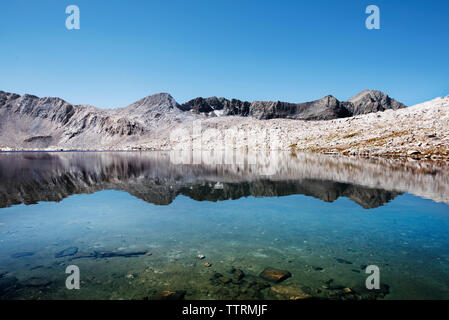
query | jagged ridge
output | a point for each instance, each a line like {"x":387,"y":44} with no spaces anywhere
{"x":326,"y":108}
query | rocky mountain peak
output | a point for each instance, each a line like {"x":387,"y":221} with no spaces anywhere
{"x":6,"y":96}
{"x":155,"y":101}
{"x":369,"y":101}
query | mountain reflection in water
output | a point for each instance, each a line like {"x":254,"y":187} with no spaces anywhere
{"x":159,"y":177}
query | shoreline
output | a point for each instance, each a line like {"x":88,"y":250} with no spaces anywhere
{"x":411,"y":162}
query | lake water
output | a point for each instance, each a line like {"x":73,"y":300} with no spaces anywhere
{"x":135,"y":224}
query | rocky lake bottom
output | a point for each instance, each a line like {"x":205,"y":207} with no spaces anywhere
{"x":285,"y":245}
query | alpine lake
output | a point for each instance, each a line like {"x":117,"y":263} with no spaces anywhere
{"x":167,"y":225}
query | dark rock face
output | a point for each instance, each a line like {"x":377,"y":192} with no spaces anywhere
{"x":326,"y":108}
{"x":37,"y":138}
{"x":209,"y":105}
{"x":38,"y":141}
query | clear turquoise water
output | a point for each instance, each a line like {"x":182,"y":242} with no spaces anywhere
{"x":407,"y":238}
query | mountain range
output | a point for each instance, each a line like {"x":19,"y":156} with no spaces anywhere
{"x":326,"y":108}
{"x":30,"y":122}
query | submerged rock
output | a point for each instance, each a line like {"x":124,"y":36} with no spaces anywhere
{"x":216,"y":275}
{"x":7,"y":283}
{"x":336,"y":287}
{"x":292,"y":292}
{"x":225,"y":280}
{"x":171,"y":295}
{"x":366,"y":294}
{"x":110,"y":254}
{"x":37,"y":282}
{"x":275,"y":275}
{"x":343,"y":261}
{"x":330,"y":285}
{"x":71,"y":251}
{"x":37,"y":267}
{"x":22,"y":254}
{"x":239,"y":274}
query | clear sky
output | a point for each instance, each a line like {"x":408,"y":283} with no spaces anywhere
{"x":252,"y":50}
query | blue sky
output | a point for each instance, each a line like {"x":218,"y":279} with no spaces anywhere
{"x":251,"y":50}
